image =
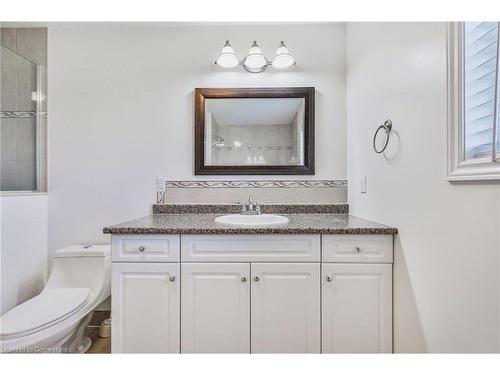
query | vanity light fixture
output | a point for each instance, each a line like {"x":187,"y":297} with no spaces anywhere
{"x":283,"y":59}
{"x":255,"y":61}
{"x":227,"y":58}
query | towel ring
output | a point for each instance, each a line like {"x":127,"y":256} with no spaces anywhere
{"x":387,"y":126}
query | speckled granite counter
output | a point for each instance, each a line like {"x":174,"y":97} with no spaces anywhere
{"x":299,"y":223}
{"x":282,"y":209}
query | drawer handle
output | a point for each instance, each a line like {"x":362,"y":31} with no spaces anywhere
{"x":243,"y":279}
{"x":358,"y":249}
{"x":142,"y":248}
{"x":256,"y":278}
{"x":172,"y":279}
{"x":329,"y":279}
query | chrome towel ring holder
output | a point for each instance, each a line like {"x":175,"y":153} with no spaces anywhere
{"x":387,"y":127}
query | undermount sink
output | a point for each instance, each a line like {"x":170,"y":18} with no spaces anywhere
{"x":250,"y":220}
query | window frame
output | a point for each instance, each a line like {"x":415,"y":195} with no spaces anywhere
{"x":459,"y":169}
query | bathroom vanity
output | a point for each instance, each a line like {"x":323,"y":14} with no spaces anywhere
{"x":183,"y":283}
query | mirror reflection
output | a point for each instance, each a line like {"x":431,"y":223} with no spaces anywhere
{"x":257,"y":131}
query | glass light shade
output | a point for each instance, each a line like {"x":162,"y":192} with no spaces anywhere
{"x":227,"y":57}
{"x":255,"y":60}
{"x":283,"y":59}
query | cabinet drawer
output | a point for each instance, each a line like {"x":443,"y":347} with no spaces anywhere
{"x":361,"y":248}
{"x":250,"y":248}
{"x":145,"y":248}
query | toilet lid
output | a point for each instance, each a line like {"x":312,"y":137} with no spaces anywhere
{"x":49,"y":307}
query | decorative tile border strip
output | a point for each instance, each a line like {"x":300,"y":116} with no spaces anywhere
{"x":258,"y":184}
{"x":258,"y":148}
{"x":22,"y":114}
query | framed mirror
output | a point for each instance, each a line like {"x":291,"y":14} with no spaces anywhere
{"x":254,"y":131}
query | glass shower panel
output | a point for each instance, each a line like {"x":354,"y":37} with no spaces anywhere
{"x":19,"y":118}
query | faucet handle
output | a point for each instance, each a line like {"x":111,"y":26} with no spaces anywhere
{"x":243,"y":206}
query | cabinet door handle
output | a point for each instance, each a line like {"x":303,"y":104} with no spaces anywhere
{"x":329,"y":279}
{"x":243,"y":279}
{"x":172,"y":279}
{"x":358,"y":249}
{"x":142,"y":248}
{"x":256,"y":278}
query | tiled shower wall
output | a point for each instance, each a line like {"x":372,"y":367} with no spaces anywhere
{"x":23,"y":109}
{"x":260,"y":144}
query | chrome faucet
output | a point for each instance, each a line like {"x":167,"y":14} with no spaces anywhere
{"x":250,"y":208}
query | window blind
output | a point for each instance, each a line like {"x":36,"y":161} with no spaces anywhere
{"x":480,"y":64}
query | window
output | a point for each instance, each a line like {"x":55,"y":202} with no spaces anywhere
{"x":474,"y":121}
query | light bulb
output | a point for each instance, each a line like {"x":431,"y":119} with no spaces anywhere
{"x":283,"y":59}
{"x":227,"y":57}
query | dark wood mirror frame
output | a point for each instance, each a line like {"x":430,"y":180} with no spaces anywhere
{"x":307,"y":93}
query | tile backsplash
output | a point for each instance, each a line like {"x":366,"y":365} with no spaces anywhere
{"x":270,"y":191}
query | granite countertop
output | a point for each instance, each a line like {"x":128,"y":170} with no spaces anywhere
{"x":299,"y":223}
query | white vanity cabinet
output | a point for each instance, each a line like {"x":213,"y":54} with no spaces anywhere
{"x":357,"y":293}
{"x":252,"y":293}
{"x":357,"y":308}
{"x":215,"y":308}
{"x":145,"y":308}
{"x":242,"y":293}
{"x":286,"y":308}
{"x":216,"y":312}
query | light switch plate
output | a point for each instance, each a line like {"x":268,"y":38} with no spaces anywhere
{"x":363,"y":185}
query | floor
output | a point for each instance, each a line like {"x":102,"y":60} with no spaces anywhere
{"x":100,"y":345}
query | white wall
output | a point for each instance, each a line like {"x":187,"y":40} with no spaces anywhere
{"x":447,"y":253}
{"x":23,"y":251}
{"x":121,"y":110}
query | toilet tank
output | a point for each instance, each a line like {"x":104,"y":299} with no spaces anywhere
{"x":80,"y":266}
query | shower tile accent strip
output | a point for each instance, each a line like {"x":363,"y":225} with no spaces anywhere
{"x":22,"y":114}
{"x":159,"y":209}
{"x":258,"y":184}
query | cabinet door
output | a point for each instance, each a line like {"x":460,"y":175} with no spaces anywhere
{"x":285,"y":308}
{"x":357,"y":308}
{"x":215,"y":308}
{"x":145,"y":308}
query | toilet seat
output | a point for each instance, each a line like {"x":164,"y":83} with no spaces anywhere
{"x":48,"y":308}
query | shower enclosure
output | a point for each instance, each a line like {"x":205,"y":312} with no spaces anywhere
{"x":23,"y":112}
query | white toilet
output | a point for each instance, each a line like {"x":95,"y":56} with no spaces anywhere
{"x":54,"y":321}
